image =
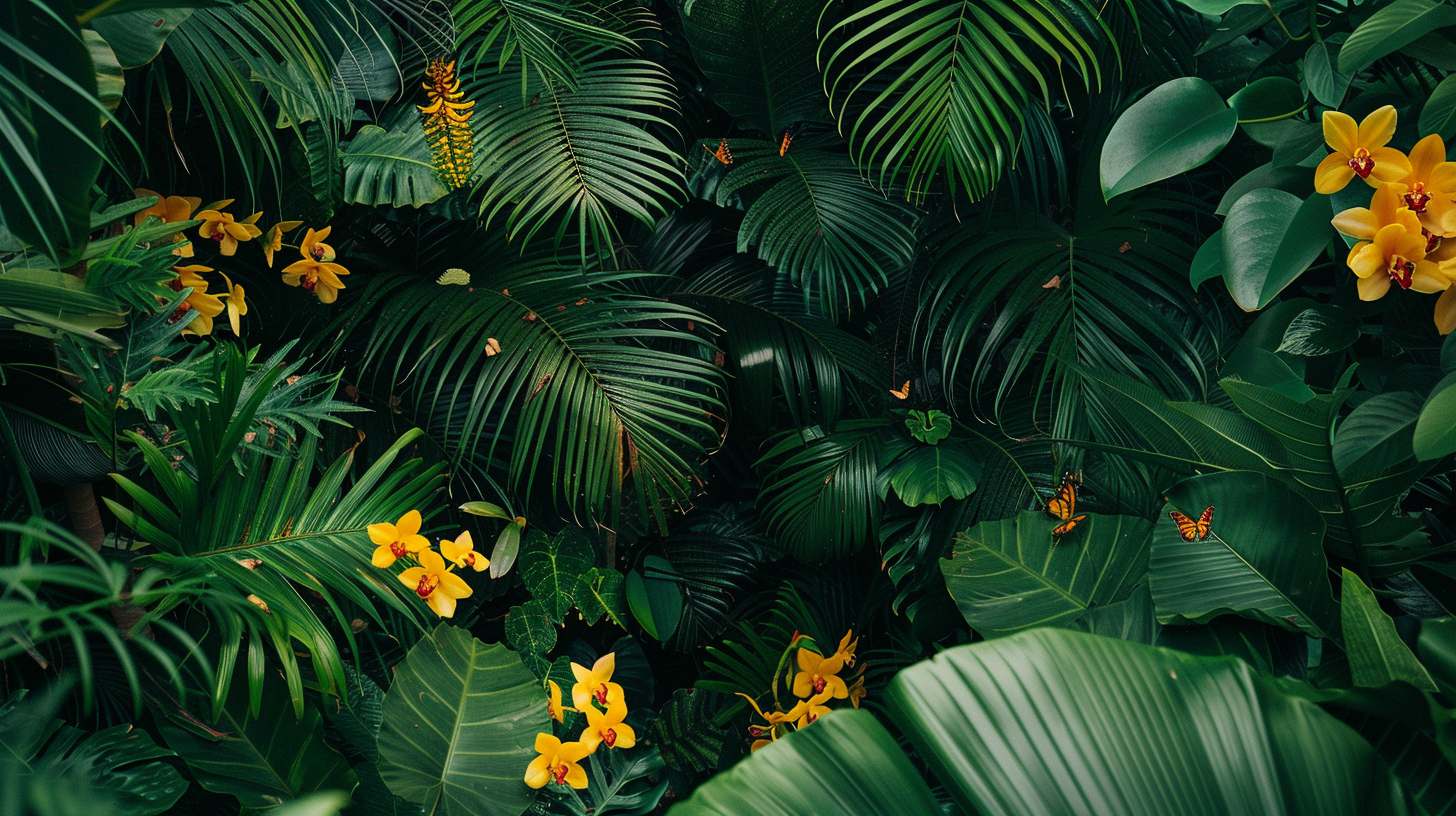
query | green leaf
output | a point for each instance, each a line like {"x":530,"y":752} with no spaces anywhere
{"x":656,"y":602}
{"x":1435,"y":434}
{"x":821,"y":500}
{"x":1261,"y":559}
{"x":1217,"y":7}
{"x":1390,"y":29}
{"x":1010,"y":575}
{"x":485,"y":508}
{"x":1208,"y":262}
{"x":390,"y":167}
{"x":507,"y":545}
{"x":1438,"y":115}
{"x":1327,"y":85}
{"x":686,"y":730}
{"x":529,"y":631}
{"x":47,"y":166}
{"x":1377,"y":655}
{"x":110,"y":8}
{"x":137,"y":36}
{"x":261,"y":759}
{"x":1269,"y":238}
{"x":550,"y":567}
{"x":324,"y":803}
{"x":460,"y":721}
{"x":758,"y":57}
{"x":928,"y":474}
{"x":1178,"y":126}
{"x":928,"y":426}
{"x":1290,"y":179}
{"x":1320,"y":329}
{"x":1268,"y":99}
{"x":1377,"y":435}
{"x":599,"y":594}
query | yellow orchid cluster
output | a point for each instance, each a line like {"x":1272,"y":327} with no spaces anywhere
{"x":433,"y":580}
{"x":199,"y":307}
{"x":605,"y":708}
{"x":1402,"y":236}
{"x":815,"y":683}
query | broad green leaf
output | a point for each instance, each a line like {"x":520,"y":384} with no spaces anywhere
{"x":1435,"y":434}
{"x":507,"y":547}
{"x":928,"y":426}
{"x":758,"y":56}
{"x":108,"y":8}
{"x":930,"y":474}
{"x":1378,"y":434}
{"x":1390,"y":29}
{"x":1268,"y":99}
{"x":530,"y":633}
{"x":460,"y":720}
{"x":1049,"y":721}
{"x":261,"y":760}
{"x":1320,"y":329}
{"x":1012,"y":574}
{"x":1216,"y":6}
{"x":137,"y":37}
{"x":1261,"y":558}
{"x":1327,"y":85}
{"x":1377,"y":655}
{"x":655,"y":597}
{"x":390,"y":167}
{"x":821,"y":500}
{"x":1178,"y":126}
{"x":599,"y":593}
{"x":1291,"y":179}
{"x":485,"y":508}
{"x":323,"y":803}
{"x":1208,"y":262}
{"x":550,"y":566}
{"x":110,"y":82}
{"x":1438,"y":115}
{"x":1269,"y":239}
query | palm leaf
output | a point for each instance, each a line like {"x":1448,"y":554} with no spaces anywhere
{"x":544,"y":36}
{"x":595,"y":384}
{"x":821,"y":500}
{"x":573,"y":158}
{"x":819,"y":223}
{"x":923,"y":87}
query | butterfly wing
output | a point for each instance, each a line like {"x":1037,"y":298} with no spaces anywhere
{"x":1064,"y":505}
{"x":723,"y":154}
{"x":1205,"y":523}
{"x":1067,"y":526}
{"x":903,"y":393}
{"x":1187,"y":527}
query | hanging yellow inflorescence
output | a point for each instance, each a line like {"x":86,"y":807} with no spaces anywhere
{"x":447,"y":123}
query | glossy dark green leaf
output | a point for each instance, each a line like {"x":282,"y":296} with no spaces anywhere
{"x":1178,"y":126}
{"x":1320,"y":329}
{"x":1327,"y":85}
{"x":930,"y":474}
{"x":599,"y":593}
{"x":655,"y":602}
{"x":1435,"y":434}
{"x":1269,"y":239}
{"x":460,"y":720}
{"x":531,"y":634}
{"x":390,"y":167}
{"x":1261,"y":557}
{"x":1010,"y":575}
{"x":928,"y":426}
{"x":1438,"y":115}
{"x":1296,"y":180}
{"x":1377,"y":655}
{"x":507,"y":547}
{"x":137,"y":37}
{"x":1390,"y":29}
{"x":1268,"y":99}
{"x":1208,"y":262}
{"x":1378,"y":434}
{"x":550,"y":567}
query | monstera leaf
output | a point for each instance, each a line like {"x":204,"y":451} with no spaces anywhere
{"x":1051,"y":721}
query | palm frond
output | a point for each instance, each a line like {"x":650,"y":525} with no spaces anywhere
{"x":544,"y":35}
{"x":821,"y":500}
{"x":925,"y":87}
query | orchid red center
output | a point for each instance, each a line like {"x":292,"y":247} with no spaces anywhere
{"x":601,"y":693}
{"x":609,"y":737}
{"x":1417,"y":198}
{"x":1361,"y":163}
{"x":819,"y":683}
{"x":397,"y":547}
{"x":1432,"y":241}
{"x":1401,"y":271}
{"x":558,"y":773}
{"x":428,"y":585}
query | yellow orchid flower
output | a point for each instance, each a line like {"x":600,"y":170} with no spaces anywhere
{"x":1360,"y":151}
{"x":273,"y":238}
{"x":1394,"y":254}
{"x":201,"y":306}
{"x":220,"y":227}
{"x":553,"y":703}
{"x":1386,"y":207}
{"x":1446,"y":307}
{"x":817,"y":673}
{"x":607,"y":728}
{"x":461,"y":552}
{"x":321,"y":278}
{"x":237,"y":307}
{"x":857,"y":691}
{"x":595,"y":683}
{"x":557,"y":763}
{"x":171,"y":209}
{"x":1430,"y":186}
{"x":394,"y":540}
{"x":313,"y":248}
{"x":846,"y":648}
{"x":433,"y":582}
{"x":775,"y":721}
{"x":805,"y":712}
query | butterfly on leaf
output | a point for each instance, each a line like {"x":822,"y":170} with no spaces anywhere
{"x":903,"y":393}
{"x":1193,"y":530}
{"x":784,"y":144}
{"x":722,"y":154}
{"x":1063,"y":507}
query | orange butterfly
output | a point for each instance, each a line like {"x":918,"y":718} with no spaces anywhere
{"x":903,"y":393}
{"x":1193,"y":530}
{"x":784,"y":145}
{"x":722,"y":154}
{"x":1064,"y":507}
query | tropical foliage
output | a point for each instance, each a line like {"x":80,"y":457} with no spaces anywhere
{"x":626,"y":406}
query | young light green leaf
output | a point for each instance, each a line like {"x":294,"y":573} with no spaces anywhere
{"x":1378,"y":657}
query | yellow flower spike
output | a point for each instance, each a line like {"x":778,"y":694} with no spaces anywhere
{"x":220,"y":227}
{"x":595,"y":683}
{"x":1360,"y":151}
{"x":461,"y":552}
{"x":557,"y":763}
{"x":434,"y":583}
{"x":1395,"y":254}
{"x":394,"y":540}
{"x":199,"y":308}
{"x":817,"y":673}
{"x":607,"y":728}
{"x":1430,"y":186}
{"x":1386,"y":207}
{"x":273,"y":239}
{"x":553,"y":703}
